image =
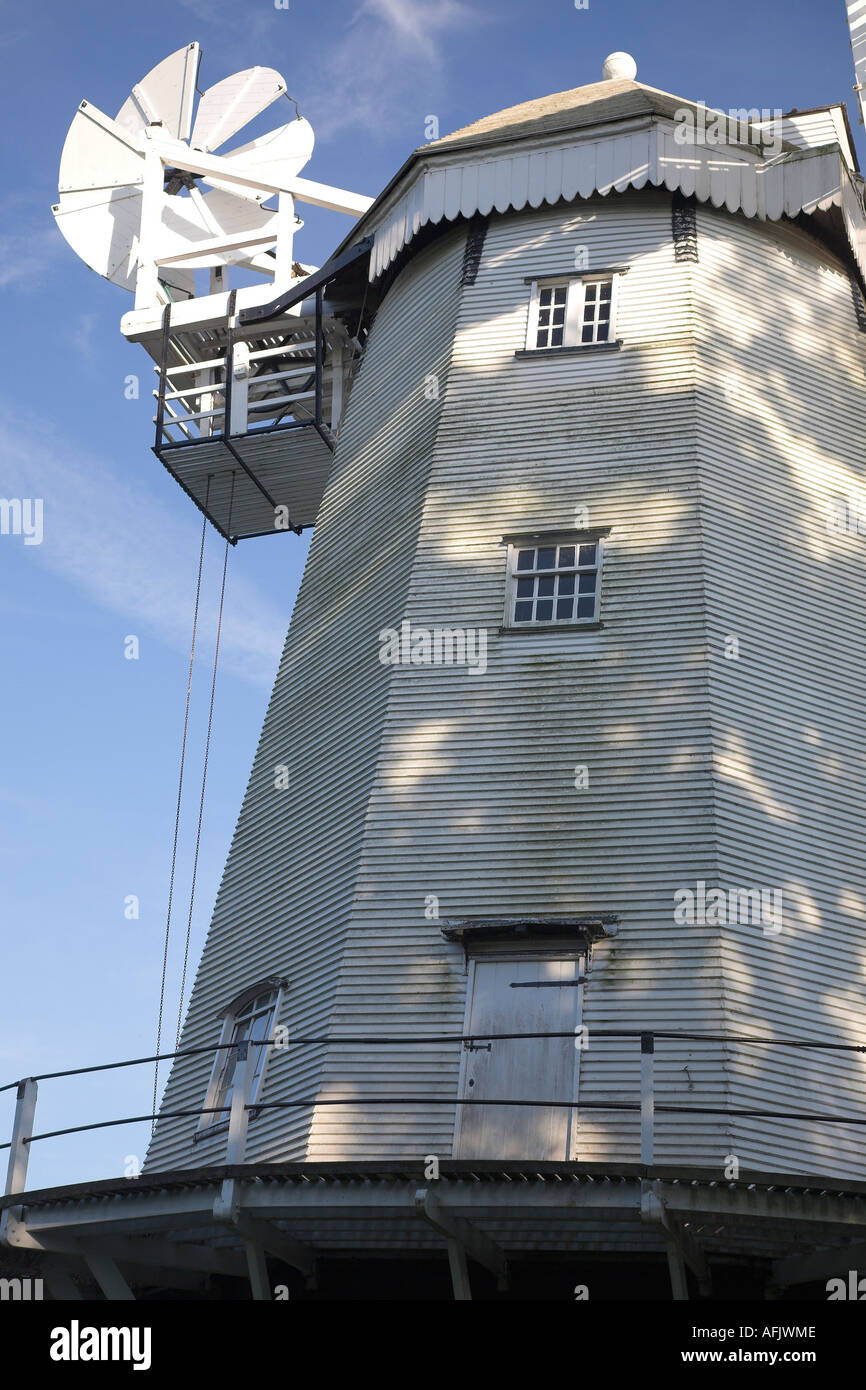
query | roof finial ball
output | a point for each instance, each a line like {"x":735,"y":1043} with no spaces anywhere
{"x":619,"y":67}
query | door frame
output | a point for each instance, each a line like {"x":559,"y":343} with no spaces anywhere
{"x":507,"y":951}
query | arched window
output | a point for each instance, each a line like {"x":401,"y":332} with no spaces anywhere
{"x":249,"y":1018}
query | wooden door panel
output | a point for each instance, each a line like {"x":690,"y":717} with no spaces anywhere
{"x":520,"y":996}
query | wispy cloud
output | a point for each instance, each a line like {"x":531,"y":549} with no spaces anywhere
{"x":372,"y":76}
{"x":26,"y":257}
{"x":83,"y":336}
{"x":132,"y":555}
{"x":418,"y":25}
{"x":367,"y":67}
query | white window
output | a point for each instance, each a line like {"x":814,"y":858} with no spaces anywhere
{"x":575,"y":312}
{"x":249,"y":1020}
{"x":553,"y":581}
{"x":550,"y":315}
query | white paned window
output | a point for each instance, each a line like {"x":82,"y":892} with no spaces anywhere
{"x":576,"y":312}
{"x":550,"y":326}
{"x":251,"y":1021}
{"x":553,"y":582}
{"x":597,"y":308}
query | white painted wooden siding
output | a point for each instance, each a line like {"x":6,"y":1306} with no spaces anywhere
{"x":711,"y":445}
{"x":782,"y":421}
{"x":474,"y":799}
{"x":289,"y":881}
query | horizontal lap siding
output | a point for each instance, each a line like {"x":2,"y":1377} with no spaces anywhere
{"x":285,"y":898}
{"x":783,"y":416}
{"x":473,"y":800}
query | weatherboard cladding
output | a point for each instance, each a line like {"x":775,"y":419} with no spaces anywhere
{"x":474,"y":798}
{"x":710,"y":445}
{"x":782,"y":419}
{"x":286,"y":893}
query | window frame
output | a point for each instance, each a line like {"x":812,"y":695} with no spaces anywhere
{"x":538,"y":540}
{"x":214,"y":1124}
{"x":575,"y":284}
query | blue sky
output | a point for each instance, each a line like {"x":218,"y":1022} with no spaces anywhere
{"x":90,"y":739}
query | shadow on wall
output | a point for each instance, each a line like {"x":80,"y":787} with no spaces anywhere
{"x":736,"y":769}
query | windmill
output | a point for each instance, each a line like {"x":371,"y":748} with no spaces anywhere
{"x":581,"y":920}
{"x":152,"y":196}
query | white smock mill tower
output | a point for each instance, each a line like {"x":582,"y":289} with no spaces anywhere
{"x":551,"y":857}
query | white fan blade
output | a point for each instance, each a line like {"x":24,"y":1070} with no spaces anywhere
{"x":98,"y":154}
{"x":281,"y":153}
{"x":165,"y":96}
{"x":101,"y":226}
{"x":221,"y":216}
{"x":226,"y":107}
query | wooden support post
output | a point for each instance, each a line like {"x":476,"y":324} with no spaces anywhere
{"x":206,"y":401}
{"x":336,"y":384}
{"x":279,"y":1244}
{"x":109,"y":1278}
{"x":461,"y":1239}
{"x":238,"y":382}
{"x":147,"y":272}
{"x":677,"y":1268}
{"x":258,"y":1266}
{"x":682,"y":1249}
{"x":320,"y":355}
{"x":239,"y":1115}
{"x":459,"y":1267}
{"x":22,"y":1130}
{"x":285,"y":243}
{"x":647,"y":1100}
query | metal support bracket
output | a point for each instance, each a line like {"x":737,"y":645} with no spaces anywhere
{"x":13,"y":1230}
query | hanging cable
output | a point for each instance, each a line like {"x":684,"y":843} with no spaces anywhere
{"x":180,"y":790}
{"x":204,"y":769}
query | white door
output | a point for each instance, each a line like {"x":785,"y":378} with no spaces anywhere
{"x":520,"y":996}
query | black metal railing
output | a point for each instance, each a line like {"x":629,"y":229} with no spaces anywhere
{"x":647,"y":1106}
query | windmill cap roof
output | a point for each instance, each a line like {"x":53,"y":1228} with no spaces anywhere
{"x":616,"y":99}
